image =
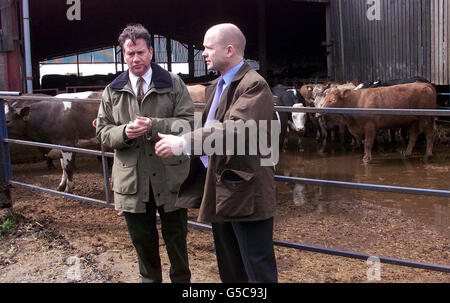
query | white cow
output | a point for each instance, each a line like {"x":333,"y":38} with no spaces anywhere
{"x":298,"y":122}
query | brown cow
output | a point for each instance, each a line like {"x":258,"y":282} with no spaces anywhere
{"x":328,"y":123}
{"x":404,"y":96}
{"x":197,"y":92}
{"x":307,"y":92}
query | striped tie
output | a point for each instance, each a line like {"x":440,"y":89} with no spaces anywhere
{"x":140,"y":90}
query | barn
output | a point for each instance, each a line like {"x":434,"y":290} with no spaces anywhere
{"x":292,"y":40}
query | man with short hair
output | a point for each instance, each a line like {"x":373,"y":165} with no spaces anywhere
{"x":237,"y":192}
{"x":135,"y":107}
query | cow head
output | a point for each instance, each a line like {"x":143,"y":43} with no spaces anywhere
{"x":333,"y":98}
{"x":299,"y":119}
{"x":307,"y":93}
{"x":17,"y":118}
{"x":320,"y":99}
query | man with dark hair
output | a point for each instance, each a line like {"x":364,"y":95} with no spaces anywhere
{"x":133,"y":32}
{"x":135,"y":107}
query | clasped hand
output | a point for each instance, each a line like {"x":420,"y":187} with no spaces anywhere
{"x":138,"y":127}
{"x":169,"y":146}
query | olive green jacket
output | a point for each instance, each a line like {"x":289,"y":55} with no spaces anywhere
{"x":136,"y":167}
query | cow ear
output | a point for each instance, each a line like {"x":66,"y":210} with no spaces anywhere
{"x":25,"y":113}
{"x":345,"y":93}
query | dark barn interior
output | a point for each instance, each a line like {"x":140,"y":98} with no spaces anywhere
{"x":285,"y":36}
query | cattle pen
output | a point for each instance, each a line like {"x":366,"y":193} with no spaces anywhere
{"x":7,"y":181}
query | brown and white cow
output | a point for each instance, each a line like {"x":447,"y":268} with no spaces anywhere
{"x":55,"y":122}
{"x":404,"y":96}
{"x":328,"y":124}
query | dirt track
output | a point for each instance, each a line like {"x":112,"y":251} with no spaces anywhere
{"x":54,"y":234}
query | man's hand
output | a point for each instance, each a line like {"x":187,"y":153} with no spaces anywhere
{"x":138,"y":127}
{"x":169,"y":146}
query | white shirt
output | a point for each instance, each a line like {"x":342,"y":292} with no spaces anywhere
{"x":145,"y":85}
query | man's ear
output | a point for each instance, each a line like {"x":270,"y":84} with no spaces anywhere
{"x":230,"y":50}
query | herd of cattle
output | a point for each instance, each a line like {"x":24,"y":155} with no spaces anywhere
{"x":412,"y":93}
{"x":71,"y":123}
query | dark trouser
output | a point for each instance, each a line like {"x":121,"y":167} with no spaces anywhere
{"x":144,"y":235}
{"x":245,"y":251}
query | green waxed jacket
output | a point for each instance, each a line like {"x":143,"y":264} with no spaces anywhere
{"x":169,"y":105}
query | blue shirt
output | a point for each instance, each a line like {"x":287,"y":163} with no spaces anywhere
{"x":229,"y":75}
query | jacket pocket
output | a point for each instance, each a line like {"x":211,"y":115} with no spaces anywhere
{"x":177,"y":169}
{"x":124,"y":173}
{"x":235,"y":194}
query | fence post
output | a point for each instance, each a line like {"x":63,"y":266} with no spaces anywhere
{"x":105,"y":168}
{"x":5,"y":163}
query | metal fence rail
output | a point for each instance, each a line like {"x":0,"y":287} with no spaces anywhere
{"x":366,"y":111}
{"x":59,"y":193}
{"x":323,"y":110}
{"x":356,"y":186}
{"x":328,"y":251}
{"x":347,"y":254}
{"x":363,"y":186}
{"x":341,"y":184}
{"x":61,"y":147}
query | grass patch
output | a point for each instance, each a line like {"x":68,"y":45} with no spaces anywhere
{"x":8,"y":223}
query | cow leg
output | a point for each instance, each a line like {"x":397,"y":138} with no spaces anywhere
{"x":386,"y":139}
{"x":324,"y":133}
{"x":429,"y":133}
{"x":404,"y":136}
{"x":62,"y":184}
{"x":68,"y":166}
{"x":299,"y":143}
{"x":50,"y":165}
{"x":317,"y":127}
{"x":324,"y":142}
{"x":370,"y":134}
{"x":285,"y":140}
{"x":342,"y":136}
{"x":413,"y":134}
{"x":394,"y":141}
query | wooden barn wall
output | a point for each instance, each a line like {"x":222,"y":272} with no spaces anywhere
{"x":411,"y":38}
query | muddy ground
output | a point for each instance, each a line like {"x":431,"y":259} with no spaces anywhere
{"x":56,"y":239}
